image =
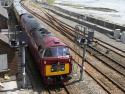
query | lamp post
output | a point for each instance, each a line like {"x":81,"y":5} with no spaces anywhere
{"x":23,"y":46}
{"x":83,"y":60}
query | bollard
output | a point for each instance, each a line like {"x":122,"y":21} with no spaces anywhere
{"x":117,"y":34}
{"x":123,"y":37}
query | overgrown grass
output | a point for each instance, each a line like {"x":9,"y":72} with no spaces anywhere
{"x":50,"y":1}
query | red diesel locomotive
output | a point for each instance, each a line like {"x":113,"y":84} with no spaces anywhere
{"x":51,"y":55}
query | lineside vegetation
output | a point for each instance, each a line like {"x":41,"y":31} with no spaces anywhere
{"x":50,"y":1}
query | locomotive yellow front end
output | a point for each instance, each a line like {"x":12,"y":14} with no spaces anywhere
{"x":57,"y":64}
{"x":57,"y":69}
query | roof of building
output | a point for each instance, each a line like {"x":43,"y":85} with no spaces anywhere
{"x":3,"y":12}
{"x":4,"y":38}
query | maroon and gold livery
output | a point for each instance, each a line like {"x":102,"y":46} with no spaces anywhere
{"x":51,"y":55}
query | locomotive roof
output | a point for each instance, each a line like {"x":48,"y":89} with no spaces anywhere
{"x":30,"y":21}
{"x":51,"y":41}
{"x":43,"y":32}
{"x":28,"y":16}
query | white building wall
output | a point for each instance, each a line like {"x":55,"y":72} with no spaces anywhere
{"x":42,"y":1}
{"x":3,"y":62}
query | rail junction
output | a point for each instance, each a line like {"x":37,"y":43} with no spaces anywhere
{"x":98,"y":66}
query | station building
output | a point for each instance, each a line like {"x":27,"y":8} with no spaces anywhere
{"x":8,"y":58}
{"x":8,"y":64}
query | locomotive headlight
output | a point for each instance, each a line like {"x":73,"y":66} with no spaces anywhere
{"x":44,"y":62}
{"x":69,"y":60}
{"x":63,"y":69}
{"x":52,"y":69}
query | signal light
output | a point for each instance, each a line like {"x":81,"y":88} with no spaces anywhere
{"x":14,"y":43}
{"x":81,"y":40}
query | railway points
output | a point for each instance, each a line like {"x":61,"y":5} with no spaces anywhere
{"x":103,"y":62}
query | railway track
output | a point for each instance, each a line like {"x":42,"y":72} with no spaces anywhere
{"x":91,"y":20}
{"x":100,"y":42}
{"x":102,"y":57}
{"x":113,"y":82}
{"x":116,"y":65}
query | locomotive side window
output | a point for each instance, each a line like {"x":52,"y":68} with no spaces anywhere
{"x":39,"y":48}
{"x":41,"y":52}
{"x":56,"y":51}
{"x":48,"y":53}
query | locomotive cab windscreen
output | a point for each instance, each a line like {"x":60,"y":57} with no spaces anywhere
{"x":56,"y":51}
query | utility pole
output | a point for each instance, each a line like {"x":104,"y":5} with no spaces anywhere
{"x":83,"y":60}
{"x":23,"y":46}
